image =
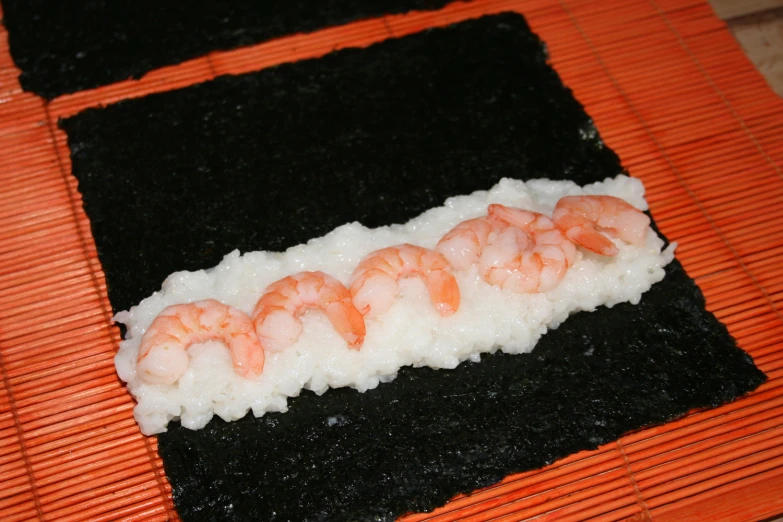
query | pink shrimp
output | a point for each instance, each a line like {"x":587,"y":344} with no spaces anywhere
{"x":276,"y":315}
{"x":462,"y":245}
{"x":583,"y":218}
{"x":162,"y":355}
{"x":374,"y":282}
{"x":530,"y":255}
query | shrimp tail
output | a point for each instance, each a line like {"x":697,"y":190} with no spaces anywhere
{"x":444,"y":292}
{"x":348,"y":322}
{"x":588,"y":237}
{"x":247,"y":360}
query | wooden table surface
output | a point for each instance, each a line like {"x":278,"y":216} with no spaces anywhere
{"x":758,"y":27}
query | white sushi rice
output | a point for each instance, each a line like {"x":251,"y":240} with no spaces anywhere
{"x":411,"y":333}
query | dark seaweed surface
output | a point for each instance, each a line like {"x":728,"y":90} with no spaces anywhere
{"x":268,"y":160}
{"x":414,"y":443}
{"x":64,"y":46}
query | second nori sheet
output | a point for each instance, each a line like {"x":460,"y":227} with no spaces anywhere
{"x":267,"y":160}
{"x":64,"y":46}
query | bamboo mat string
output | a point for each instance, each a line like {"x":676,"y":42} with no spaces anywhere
{"x":21,"y":440}
{"x":632,"y":479}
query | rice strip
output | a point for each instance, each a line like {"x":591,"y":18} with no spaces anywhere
{"x":410,"y":333}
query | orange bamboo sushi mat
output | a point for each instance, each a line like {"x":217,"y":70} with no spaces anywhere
{"x":669,"y":90}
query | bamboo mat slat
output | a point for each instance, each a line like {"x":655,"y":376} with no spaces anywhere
{"x":669,"y":90}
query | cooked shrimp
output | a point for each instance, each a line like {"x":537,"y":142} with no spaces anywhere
{"x":163,"y":358}
{"x":583,"y":218}
{"x":374,"y":282}
{"x":462,"y":245}
{"x":531,"y":255}
{"x":276,"y":315}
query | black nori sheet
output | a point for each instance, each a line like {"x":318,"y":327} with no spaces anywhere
{"x":414,"y":443}
{"x":268,"y":160}
{"x":65,"y":46}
